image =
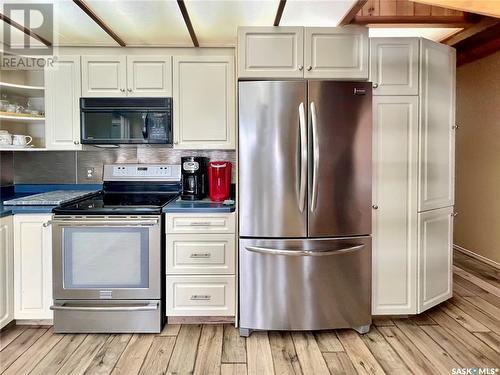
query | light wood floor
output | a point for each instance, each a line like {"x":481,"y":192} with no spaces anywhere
{"x":463,"y":332}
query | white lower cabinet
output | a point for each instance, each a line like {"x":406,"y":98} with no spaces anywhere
{"x":435,"y":257}
{"x":201,"y":295}
{"x":32,"y":266}
{"x":6,"y":271}
{"x":201,"y":264}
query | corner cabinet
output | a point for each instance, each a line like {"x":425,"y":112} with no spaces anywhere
{"x":32,"y":266}
{"x":336,"y":52}
{"x":204,"y":102}
{"x":62,"y":104}
{"x":6,"y":271}
{"x":135,"y":75}
{"x":435,"y":242}
{"x":394,"y":227}
{"x":298,"y":52}
{"x":437,"y":126}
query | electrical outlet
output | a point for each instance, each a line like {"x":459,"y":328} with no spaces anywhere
{"x":90,"y":173}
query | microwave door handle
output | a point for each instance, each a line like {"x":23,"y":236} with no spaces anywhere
{"x":145,"y":125}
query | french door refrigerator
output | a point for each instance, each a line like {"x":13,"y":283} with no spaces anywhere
{"x":305,"y":205}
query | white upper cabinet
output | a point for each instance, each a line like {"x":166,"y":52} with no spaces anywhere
{"x":149,"y":76}
{"x":104,"y":76}
{"x":437,"y":124}
{"x":272,"y":52}
{"x":395,"y":146}
{"x":62,"y":104}
{"x":394,"y":66}
{"x":204,"y":102}
{"x":435,"y":241}
{"x":32,"y":266}
{"x":336,"y":52}
{"x":6,"y":271}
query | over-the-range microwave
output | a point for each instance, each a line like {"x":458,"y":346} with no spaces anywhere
{"x":114,"y":121}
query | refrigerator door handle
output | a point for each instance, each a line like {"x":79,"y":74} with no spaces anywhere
{"x":303,"y":157}
{"x":271,"y":251}
{"x":314,"y":196}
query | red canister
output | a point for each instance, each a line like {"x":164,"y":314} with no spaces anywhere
{"x":219,"y":180}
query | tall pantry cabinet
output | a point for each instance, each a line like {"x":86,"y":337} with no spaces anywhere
{"x":413,"y":173}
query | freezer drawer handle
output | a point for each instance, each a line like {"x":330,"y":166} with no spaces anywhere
{"x":303,"y":157}
{"x":148,"y":307}
{"x":268,"y":250}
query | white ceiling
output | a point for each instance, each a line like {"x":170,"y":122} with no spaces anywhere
{"x":160,"y":22}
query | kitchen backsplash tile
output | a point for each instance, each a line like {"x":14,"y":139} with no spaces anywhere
{"x":73,"y":166}
{"x":45,"y":167}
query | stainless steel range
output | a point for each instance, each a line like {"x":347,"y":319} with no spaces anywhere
{"x":107,"y":253}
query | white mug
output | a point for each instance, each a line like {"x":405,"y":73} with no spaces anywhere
{"x":5,"y":138}
{"x":21,"y":140}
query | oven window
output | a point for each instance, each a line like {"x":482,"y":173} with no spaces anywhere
{"x":106,"y":257}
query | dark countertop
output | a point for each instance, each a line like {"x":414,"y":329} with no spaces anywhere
{"x":20,"y":191}
{"x":204,"y":205}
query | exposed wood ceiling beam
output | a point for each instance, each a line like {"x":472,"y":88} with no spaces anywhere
{"x":25,"y":30}
{"x":356,"y":7}
{"x":279,"y":12}
{"x":188,"y":23}
{"x":470,"y":31}
{"x":413,"y":21}
{"x":83,"y":6}
{"x":486,"y":7}
{"x":478,"y":52}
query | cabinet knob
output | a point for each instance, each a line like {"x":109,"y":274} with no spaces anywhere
{"x":455,"y":126}
{"x":129,"y":90}
{"x":76,"y":142}
{"x":375,"y":207}
{"x":309,"y":68}
{"x":301,"y":67}
{"x":454,"y":214}
{"x":122,"y":90}
{"x":46,"y":224}
{"x":375,"y":85}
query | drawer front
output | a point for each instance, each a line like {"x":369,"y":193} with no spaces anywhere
{"x":200,"y":254}
{"x":200,"y":295}
{"x":200,"y":223}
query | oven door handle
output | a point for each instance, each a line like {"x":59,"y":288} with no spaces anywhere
{"x":148,"y":307}
{"x":104,"y":222}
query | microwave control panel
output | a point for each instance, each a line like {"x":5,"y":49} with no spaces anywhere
{"x":138,"y":172}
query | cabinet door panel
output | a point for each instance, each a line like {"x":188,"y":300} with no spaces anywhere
{"x":336,"y":52}
{"x":437,"y":120}
{"x":394,"y":66}
{"x":435,"y":242}
{"x":32,"y":267}
{"x":274,"y":52}
{"x":6,"y":271}
{"x":149,"y":76}
{"x":62,"y":98}
{"x":395,"y":124}
{"x":204,"y":102}
{"x":104,"y":76}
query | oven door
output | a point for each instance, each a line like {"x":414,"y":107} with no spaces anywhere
{"x":106,"y":257}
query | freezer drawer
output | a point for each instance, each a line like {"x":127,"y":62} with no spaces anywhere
{"x":308,"y":284}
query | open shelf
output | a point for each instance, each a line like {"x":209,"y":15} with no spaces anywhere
{"x":23,"y":90}
{"x":16,"y":117}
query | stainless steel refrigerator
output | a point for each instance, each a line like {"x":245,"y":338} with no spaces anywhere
{"x":304,"y":205}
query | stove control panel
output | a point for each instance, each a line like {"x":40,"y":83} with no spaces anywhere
{"x":141,"y":172}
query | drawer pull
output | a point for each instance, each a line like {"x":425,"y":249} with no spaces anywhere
{"x":201,"y":223}
{"x":201,"y":297}
{"x":200,"y":255}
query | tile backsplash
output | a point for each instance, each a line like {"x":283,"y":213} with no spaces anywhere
{"x":67,"y":167}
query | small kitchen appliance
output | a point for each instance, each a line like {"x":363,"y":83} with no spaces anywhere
{"x":219,"y":180}
{"x":108,"y":262}
{"x":194,"y":177}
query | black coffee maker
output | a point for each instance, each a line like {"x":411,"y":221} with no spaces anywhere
{"x":194,"y":177}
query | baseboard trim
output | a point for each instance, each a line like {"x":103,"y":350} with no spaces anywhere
{"x":477,"y":256}
{"x":200,"y":319}
{"x":35,"y":322}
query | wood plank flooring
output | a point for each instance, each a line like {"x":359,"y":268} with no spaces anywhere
{"x":460,"y":333}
